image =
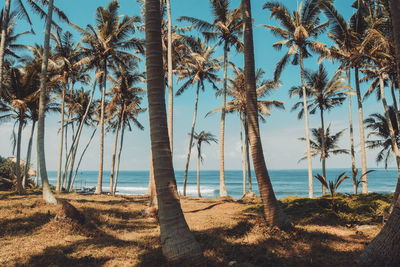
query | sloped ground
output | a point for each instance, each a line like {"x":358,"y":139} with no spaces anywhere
{"x":230,"y":232}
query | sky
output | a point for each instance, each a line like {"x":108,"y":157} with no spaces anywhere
{"x":279,"y":134}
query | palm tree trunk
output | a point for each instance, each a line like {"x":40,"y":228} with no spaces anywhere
{"x":4,"y":27}
{"x":323,"y":146}
{"x":244,"y":156}
{"x":246,"y":149}
{"x":99,"y":186}
{"x":37,"y":163}
{"x":273,"y":213}
{"x":395,"y":9}
{"x":60,"y":155}
{"x":29,"y":154}
{"x":47,"y":194}
{"x":362,"y":135}
{"x":178,"y":243}
{"x":394,"y":99}
{"x":114,"y":153}
{"x":191,"y":139}
{"x":20,"y":186}
{"x":307,"y":129}
{"x":170,"y":81}
{"x":222,"y":186}
{"x":351,"y":131}
{"x":198,"y":169}
{"x":152,"y":186}
{"x":119,"y":158}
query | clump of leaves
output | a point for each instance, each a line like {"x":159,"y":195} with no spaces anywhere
{"x":358,"y":181}
{"x":332,"y":185}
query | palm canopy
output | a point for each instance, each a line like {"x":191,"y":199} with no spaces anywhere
{"x":110,"y":39}
{"x":226,"y":27}
{"x":331,"y":143}
{"x":325,"y":93}
{"x":298,"y":31}
{"x":198,"y":66}
{"x":203,"y":137}
{"x":237,"y":90}
{"x":77,"y":103}
{"x":380,"y":136}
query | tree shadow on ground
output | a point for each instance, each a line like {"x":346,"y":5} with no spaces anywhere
{"x":24,"y":225}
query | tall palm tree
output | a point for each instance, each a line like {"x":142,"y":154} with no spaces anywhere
{"x":348,"y":38}
{"x":107,"y":44}
{"x":202,"y":137}
{"x":197,"y":67}
{"x":326,"y":94}
{"x":273,"y":213}
{"x":225,"y":29}
{"x":298,"y":31}
{"x":47,"y":194}
{"x":178,"y":243}
{"x":237,"y":90}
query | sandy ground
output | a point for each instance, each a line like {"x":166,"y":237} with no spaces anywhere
{"x":116,"y":233}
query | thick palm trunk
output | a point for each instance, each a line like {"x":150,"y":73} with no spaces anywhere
{"x":47,"y":194}
{"x":222,"y":186}
{"x":362,"y":134}
{"x":246,"y":149}
{"x":307,"y":129}
{"x":178,"y":243}
{"x":198,"y":169}
{"x":185,"y":175}
{"x":323,"y":147}
{"x":394,"y":99}
{"x":170,"y":81}
{"x":244,"y":156}
{"x":273,"y":213}
{"x":37,"y":163}
{"x":395,"y":11}
{"x":114,"y":153}
{"x":351,"y":132}
{"x":4,"y":27}
{"x":20,"y":187}
{"x":119,"y":159}
{"x":99,"y":186}
{"x":152,"y":186}
{"x":28,"y":155}
{"x":60,"y":155}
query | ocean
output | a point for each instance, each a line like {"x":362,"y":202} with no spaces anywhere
{"x":285,"y":182}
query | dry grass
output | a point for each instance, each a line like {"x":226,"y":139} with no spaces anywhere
{"x":116,"y":234}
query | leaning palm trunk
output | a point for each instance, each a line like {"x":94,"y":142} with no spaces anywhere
{"x":362,"y":135}
{"x":114,"y":153}
{"x":393,"y":138}
{"x":170,"y":81}
{"x":119,"y":154}
{"x":273,"y":213}
{"x":222,"y":186}
{"x":351,"y":132}
{"x":323,"y":145}
{"x":99,"y":186}
{"x":307,"y":129}
{"x":384,"y":249}
{"x":4,"y":27}
{"x":191,"y":139}
{"x":20,"y":186}
{"x":47,"y":194}
{"x":28,"y":155}
{"x":198,"y":169}
{"x":178,"y":243}
{"x":60,"y":155}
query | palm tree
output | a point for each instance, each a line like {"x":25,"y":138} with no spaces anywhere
{"x":326,"y":94}
{"x":237,"y":90}
{"x":202,"y":137}
{"x":382,"y":250}
{"x":47,"y":194}
{"x":273,"y":213}
{"x":330,"y":146}
{"x":107,"y":44}
{"x":225,"y":29}
{"x":196,"y":68}
{"x":347,"y":37}
{"x":178,"y":243}
{"x":298,"y":31}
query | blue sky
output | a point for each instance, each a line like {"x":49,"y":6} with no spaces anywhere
{"x":279,"y":135}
